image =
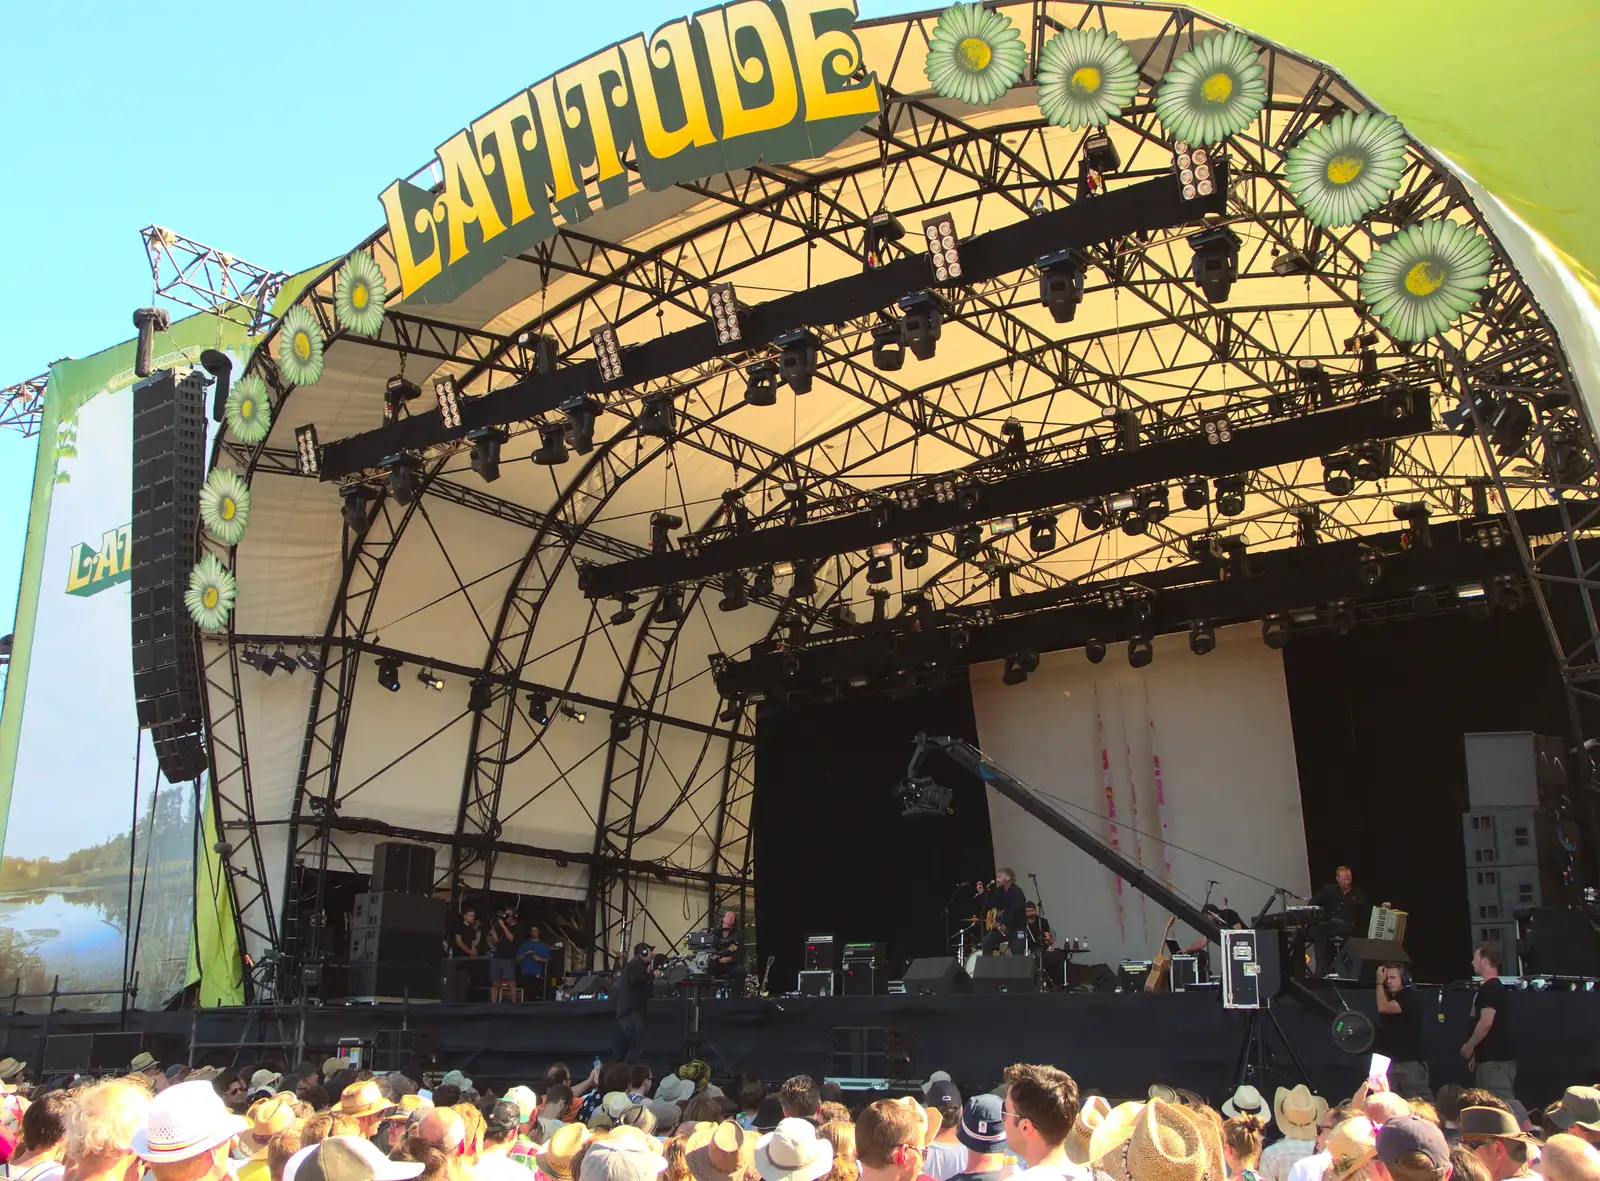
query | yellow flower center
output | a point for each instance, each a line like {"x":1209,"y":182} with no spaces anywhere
{"x":228,"y":508}
{"x":1425,"y":277}
{"x":302,"y":345}
{"x":974,"y":53}
{"x":247,"y":409}
{"x":358,"y":296}
{"x":1218,"y":88}
{"x":1344,"y":169}
{"x":1086,"y":79}
{"x":209,"y":597}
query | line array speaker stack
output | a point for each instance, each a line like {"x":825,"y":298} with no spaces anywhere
{"x":397,"y":930}
{"x":169,"y":437}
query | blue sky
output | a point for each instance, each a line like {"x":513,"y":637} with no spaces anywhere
{"x":264,"y":132}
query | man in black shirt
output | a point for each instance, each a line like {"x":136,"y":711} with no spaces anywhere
{"x":466,"y":939}
{"x":1037,"y":927}
{"x":1005,"y":898}
{"x":727,"y":953}
{"x":1345,"y":911}
{"x":634,"y":985}
{"x":1489,"y":1050}
{"x":1400,"y":1034}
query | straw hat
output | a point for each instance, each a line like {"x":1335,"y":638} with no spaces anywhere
{"x":556,"y":1154}
{"x":794,"y":1152}
{"x":265,"y":1080}
{"x":10,"y":1071}
{"x":184,"y":1121}
{"x":347,"y":1158}
{"x":1247,"y":1101}
{"x":203,"y":1074}
{"x":1157,"y":1141}
{"x":1297,"y":1111}
{"x":1090,"y":1116}
{"x":363,"y":1099}
{"x":143,"y":1060}
{"x":722,"y":1157}
{"x":1352,"y":1145}
{"x":267,"y":1118}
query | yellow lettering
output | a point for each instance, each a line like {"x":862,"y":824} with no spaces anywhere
{"x":105,"y":562}
{"x":721,"y":27}
{"x":466,"y":196}
{"x":586,"y":78}
{"x":670,"y":46}
{"x":78,"y":574}
{"x":500,"y":125}
{"x":413,"y":274}
{"x":814,"y":53}
{"x":555,"y":140}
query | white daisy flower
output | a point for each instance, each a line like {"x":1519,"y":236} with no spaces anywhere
{"x":975,"y":54}
{"x":1085,"y":77}
{"x":359,"y":293}
{"x":1213,"y":90}
{"x":211,"y":593}
{"x":225,"y":505}
{"x":1421,"y":281}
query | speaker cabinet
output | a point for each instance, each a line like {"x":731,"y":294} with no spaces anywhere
{"x":395,"y":980}
{"x":1360,"y":959}
{"x":937,"y":976}
{"x":1004,"y":973}
{"x":402,"y":868}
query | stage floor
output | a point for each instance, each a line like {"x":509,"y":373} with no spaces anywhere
{"x":1117,"y":1043}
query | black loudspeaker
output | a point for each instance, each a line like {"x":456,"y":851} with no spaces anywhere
{"x":591,"y":985}
{"x":396,"y":945}
{"x":1360,"y":959}
{"x":402,"y":868}
{"x":169,"y":437}
{"x":400,"y":912}
{"x":865,"y":969}
{"x":937,"y":976}
{"x":66,"y":1053}
{"x":1091,"y":978}
{"x":393,"y":1050}
{"x":1559,"y":942}
{"x":1004,"y":973}
{"x":114,"y":1051}
{"x":417,"y":981}
{"x":821,"y":954}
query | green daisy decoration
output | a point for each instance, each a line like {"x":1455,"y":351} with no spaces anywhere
{"x":225,"y":505}
{"x":1421,"y":280}
{"x":211,"y":592}
{"x":1347,"y":167}
{"x":359,"y":294}
{"x":248,"y":411}
{"x":975,"y":54}
{"x":300,"y":346}
{"x":1085,"y":77}
{"x":1213,"y":90}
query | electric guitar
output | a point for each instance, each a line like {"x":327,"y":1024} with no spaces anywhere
{"x":752,"y":987}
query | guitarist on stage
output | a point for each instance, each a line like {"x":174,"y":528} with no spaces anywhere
{"x":1003,"y":912}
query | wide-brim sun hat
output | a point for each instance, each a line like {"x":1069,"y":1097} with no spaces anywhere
{"x":1246,"y":1100}
{"x":183,"y":1121}
{"x":347,"y":1158}
{"x":1297,"y":1112}
{"x":793,"y":1152}
{"x":1090,"y":1116}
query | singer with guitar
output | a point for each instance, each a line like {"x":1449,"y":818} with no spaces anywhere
{"x":1002,"y":909}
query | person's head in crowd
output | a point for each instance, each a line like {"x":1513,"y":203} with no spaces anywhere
{"x":557,"y":1097}
{"x":614,"y":1076}
{"x":327,"y":1123}
{"x":725,"y":1153}
{"x":944,"y":1098}
{"x":1493,"y":1135}
{"x":303,"y":1110}
{"x":1422,"y":1109}
{"x":1478,"y":1097}
{"x":472,"y":1129}
{"x":833,"y":1113}
{"x":350,"y":1158}
{"x":637,"y":1115}
{"x":1465,"y":1165}
{"x":1411,"y":1148}
{"x":1447,"y":1102}
{"x":558,"y":1072}
{"x":527,"y":1105}
{"x":769,"y":1112}
{"x":559,"y":1152}
{"x":100,"y":1130}
{"x":889,"y":1140}
{"x":982,"y":1131}
{"x":800,"y":1097}
{"x":793,"y":1152}
{"x":841,"y":1134}
{"x":1039,"y":1106}
{"x":500,"y":1125}
{"x":1383,"y":1107}
{"x":267,"y":1118}
{"x":830,"y":1092}
{"x":675,"y":1152}
{"x":1353,"y":1146}
{"x":1577,"y":1113}
{"x":1569,"y":1158}
{"x":1241,"y":1142}
{"x":234,"y":1090}
{"x":279,"y":1149}
{"x":186,"y":1133}
{"x":44,"y":1128}
{"x":446,"y":1095}
{"x":639,"y":1079}
{"x":703,"y":1109}
{"x":440,"y":1127}
{"x":625,"y":1155}
{"x":1160,"y":1141}
{"x":365,"y":1103}
{"x":303,"y":1079}
{"x":750,"y":1096}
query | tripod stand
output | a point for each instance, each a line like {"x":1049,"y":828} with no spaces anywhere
{"x":1255,"y":1055}
{"x":695,"y":1042}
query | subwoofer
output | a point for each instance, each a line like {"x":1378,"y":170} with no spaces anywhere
{"x":937,"y":976}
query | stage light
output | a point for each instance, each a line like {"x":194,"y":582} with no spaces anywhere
{"x":914,"y":555}
{"x":1092,"y":515}
{"x":400,"y":471}
{"x":1016,"y":440}
{"x":761,"y":583}
{"x":1506,"y":592}
{"x":921,"y":325}
{"x":552,"y":449}
{"x":353,"y":507}
{"x":581,"y":413}
{"x":389,"y":673}
{"x":1193,"y":170}
{"x":1132,"y":520}
{"x":968,"y":496}
{"x":804,"y":584}
{"x":1127,"y":421}
{"x":1336,"y":478}
{"x":1042,"y":532}
{"x":735,"y":596}
{"x":1459,"y":418}
{"x":1425,"y":600}
{"x":883,"y":227}
{"x":661,"y":525}
{"x":1230,"y":495}
{"x":622,"y":726}
{"x":1202,"y":638}
{"x":1061,"y":276}
{"x":1369,"y":567}
{"x":396,"y":393}
{"x":607,"y":353}
{"x":657,"y":418}
{"x":426,"y":676}
{"x":308,"y":452}
{"x":1003,"y":526}
{"x":1488,"y":534}
{"x":1123,"y":502}
{"x":1114,"y":597}
{"x":1474,"y":599}
{"x":449,"y":400}
{"x":1216,"y":261}
{"x":480,"y":695}
{"x":1315,"y":381}
{"x":1370,"y":460}
{"x":888,"y":346}
{"x":1509,"y":426}
{"x":309,"y":660}
{"x":1275,"y":631}
{"x":486,"y":452}
{"x":1418,"y":533}
{"x":1308,"y":520}
{"x":797,"y":359}
{"x":148,"y":321}
{"x":943,"y":250}
{"x":577,"y":715}
{"x":539,"y":708}
{"x":1196,"y":493}
{"x":1141,"y":651}
{"x":794,"y":495}
{"x":258,"y":660}
{"x":283,"y":660}
{"x":1341,"y":618}
{"x":968,"y":542}
{"x":761,"y":384}
{"x":1019,"y":666}
{"x":668,"y":606}
{"x":1100,"y":152}
{"x":1155,"y":504}
{"x":625,"y":608}
{"x":880,"y":563}
{"x":1094,"y":651}
{"x":725,"y":313}
{"x":1294,"y":262}
{"x":544,"y":351}
{"x":1217,"y":427}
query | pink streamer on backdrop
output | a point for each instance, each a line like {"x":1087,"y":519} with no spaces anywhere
{"x":1111,"y":801}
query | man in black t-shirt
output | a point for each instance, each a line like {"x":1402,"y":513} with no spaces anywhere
{"x":1038,"y":927}
{"x":727,"y":953}
{"x":466,"y":937}
{"x":634,"y":984}
{"x":1005,"y":898}
{"x":1489,"y":1050}
{"x":1400,"y":1035}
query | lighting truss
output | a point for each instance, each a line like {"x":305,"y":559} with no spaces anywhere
{"x":22,"y":405}
{"x":206,"y":279}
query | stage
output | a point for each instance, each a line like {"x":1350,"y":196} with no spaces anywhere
{"x":1114,"y":1042}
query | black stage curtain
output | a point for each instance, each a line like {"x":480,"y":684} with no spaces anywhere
{"x":832,"y":852}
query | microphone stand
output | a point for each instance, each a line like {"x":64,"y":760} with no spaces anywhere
{"x":945,"y":914}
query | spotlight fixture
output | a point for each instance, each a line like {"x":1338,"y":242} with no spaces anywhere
{"x":1094,"y":651}
{"x":943,"y":251}
{"x":1100,"y":152}
{"x":1155,"y":504}
{"x":797,"y":359}
{"x":1016,"y":445}
{"x":552,"y":449}
{"x":539,"y":708}
{"x":480,"y":695}
{"x":1294,"y":262}
{"x":396,"y":393}
{"x":735,"y":596}
{"x":486,"y":452}
{"x":310,"y":660}
{"x":401,"y":473}
{"x":607,"y":353}
{"x":1092,"y":515}
{"x":1141,"y":651}
{"x":1336,"y":477}
{"x":880,"y":563}
{"x":1369,"y":566}
{"x":1129,"y":515}
{"x":1506,"y":592}
{"x":1370,"y":460}
{"x":544,"y":351}
{"x":794,"y":495}
{"x":1230,"y":495}
{"x":449,"y":399}
{"x":283,"y":660}
{"x":914,"y":554}
{"x":668,"y":606}
{"x":426,"y":676}
{"x":389,"y":673}
{"x":1019,"y":666}
{"x":1487,"y":534}
{"x":883,"y":227}
{"x":625,"y":608}
{"x":762,"y":582}
{"x":353,"y":507}
{"x":581,"y":413}
{"x":1042,"y":532}
{"x":1275,"y":631}
{"x":1193,"y":169}
{"x":1216,"y":261}
{"x":573,"y":712}
{"x":661,"y":525}
{"x":657,"y":418}
{"x":308,"y":451}
{"x":1003,"y":526}
{"x":1418,"y":531}
{"x":968,"y":542}
{"x":258,"y":660}
{"x":761,"y":384}
{"x":1202,"y":638}
{"x":1341,"y":618}
{"x":1425,"y":600}
{"x":725,"y":313}
{"x":220,"y":367}
{"x":1061,"y":276}
{"x":1217,"y":427}
{"x":920,"y":326}
{"x":1315,"y":381}
{"x":888,"y":346}
{"x":804,"y":584}
{"x":1196,"y":493}
{"x":1308,"y":521}
{"x":1127,"y":422}
{"x":968,"y":496}
{"x":1474,"y":599}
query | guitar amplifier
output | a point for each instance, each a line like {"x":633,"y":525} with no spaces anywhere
{"x":866,"y":969}
{"x":1387,"y":923}
{"x":1131,"y":975}
{"x":821,"y":953}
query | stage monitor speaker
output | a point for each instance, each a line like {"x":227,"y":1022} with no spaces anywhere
{"x":1091,"y":978}
{"x":115,"y":1051}
{"x":937,"y":976}
{"x":591,"y":986}
{"x":169,"y":437}
{"x":1360,"y":959}
{"x":402,"y":868}
{"x":815,"y":983}
{"x":1559,"y":942}
{"x":1004,"y":973}
{"x":67,"y":1053}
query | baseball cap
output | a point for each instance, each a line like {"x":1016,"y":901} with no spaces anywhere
{"x":1412,"y":1133}
{"x":347,"y":1158}
{"x":945,"y":1097}
{"x":983,"y":1124}
{"x":504,"y":1117}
